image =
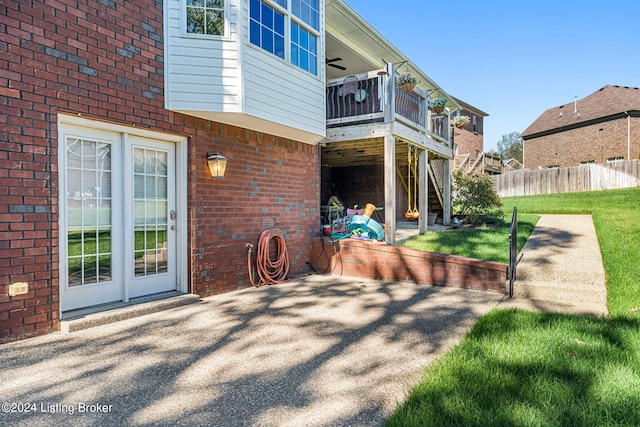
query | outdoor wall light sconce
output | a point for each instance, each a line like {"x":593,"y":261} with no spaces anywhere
{"x":217,"y":165}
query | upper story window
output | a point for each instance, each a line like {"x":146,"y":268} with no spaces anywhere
{"x":267,"y":20}
{"x":205,"y":17}
{"x":307,"y":10}
{"x":304,"y":49}
{"x":266,"y":27}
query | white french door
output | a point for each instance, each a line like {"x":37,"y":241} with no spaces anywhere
{"x":150,"y":215}
{"x":118,"y":216}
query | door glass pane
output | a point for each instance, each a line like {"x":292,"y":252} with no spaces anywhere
{"x":162,"y":163}
{"x":150,"y":212}
{"x":88,"y":211}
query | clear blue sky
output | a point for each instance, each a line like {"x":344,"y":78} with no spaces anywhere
{"x":514,"y":59}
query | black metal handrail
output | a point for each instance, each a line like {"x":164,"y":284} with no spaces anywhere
{"x":513,"y":250}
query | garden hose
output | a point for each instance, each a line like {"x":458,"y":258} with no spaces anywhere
{"x":270,"y":272}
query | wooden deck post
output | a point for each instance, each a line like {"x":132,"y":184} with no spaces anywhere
{"x":390,"y":188}
{"x":423,"y":191}
{"x":446,"y":193}
{"x":389,"y":103}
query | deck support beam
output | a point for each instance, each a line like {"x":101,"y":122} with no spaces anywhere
{"x":446,"y":193}
{"x":423,"y":190}
{"x":390,"y":189}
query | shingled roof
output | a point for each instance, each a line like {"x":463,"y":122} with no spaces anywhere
{"x":608,"y":101}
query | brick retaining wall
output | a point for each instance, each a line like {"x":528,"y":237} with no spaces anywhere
{"x":377,"y":260}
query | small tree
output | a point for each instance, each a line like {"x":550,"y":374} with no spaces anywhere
{"x":475,"y":197}
{"x":510,"y":146}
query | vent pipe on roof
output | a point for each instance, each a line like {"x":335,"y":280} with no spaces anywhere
{"x":575,"y":104}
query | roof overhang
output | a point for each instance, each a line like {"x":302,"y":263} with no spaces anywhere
{"x":620,"y":115}
{"x":363,"y":49}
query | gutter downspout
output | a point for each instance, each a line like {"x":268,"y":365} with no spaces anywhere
{"x":628,"y":135}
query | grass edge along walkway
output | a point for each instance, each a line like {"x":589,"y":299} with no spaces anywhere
{"x":526,"y":368}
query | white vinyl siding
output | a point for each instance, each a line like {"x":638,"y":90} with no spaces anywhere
{"x":227,"y":79}
{"x":283,"y":93}
{"x":201,"y":73}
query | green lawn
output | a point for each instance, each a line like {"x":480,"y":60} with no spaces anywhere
{"x":487,"y":243}
{"x":518,"y":368}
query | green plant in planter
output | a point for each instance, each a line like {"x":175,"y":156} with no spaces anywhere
{"x":460,"y":121}
{"x":406,"y":79}
{"x":437,"y":102}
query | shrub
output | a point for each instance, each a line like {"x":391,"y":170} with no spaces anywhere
{"x":474,"y":197}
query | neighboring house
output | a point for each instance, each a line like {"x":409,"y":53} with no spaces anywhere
{"x":109,"y":113}
{"x":469,"y":140}
{"x":469,"y":152}
{"x":603,"y":127}
{"x":512,"y":164}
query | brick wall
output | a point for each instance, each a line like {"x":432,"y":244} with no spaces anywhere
{"x":104,"y":60}
{"x":380,"y":261}
{"x":468,"y":143}
{"x":469,"y":138}
{"x":365,"y":184}
{"x":270,"y":182}
{"x":479,"y":122}
{"x":360,"y":185}
{"x":586,"y":143}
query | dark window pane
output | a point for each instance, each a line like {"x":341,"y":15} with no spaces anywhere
{"x":267,"y":40}
{"x":254,"y":33}
{"x":278,"y":24}
{"x":195,"y":20}
{"x":267,"y":16}
{"x":254,"y":10}
{"x":279,"y":46}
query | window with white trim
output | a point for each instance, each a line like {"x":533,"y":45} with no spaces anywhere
{"x":205,"y":17}
{"x":268,"y":20}
{"x":266,"y":27}
{"x":587,"y":162}
{"x":615,"y":159}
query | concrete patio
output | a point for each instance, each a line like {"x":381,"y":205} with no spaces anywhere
{"x":317,"y":351}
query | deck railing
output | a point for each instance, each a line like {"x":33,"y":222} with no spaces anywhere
{"x":363,"y":102}
{"x":411,"y":106}
{"x":366,"y":101}
{"x":439,"y":125}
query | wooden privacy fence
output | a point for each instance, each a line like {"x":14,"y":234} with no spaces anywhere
{"x":623,"y":174}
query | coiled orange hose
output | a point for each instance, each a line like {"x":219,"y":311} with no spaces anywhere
{"x":269,"y":272}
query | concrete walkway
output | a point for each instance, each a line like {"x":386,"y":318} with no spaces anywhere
{"x":317,"y":351}
{"x":561,"y":268}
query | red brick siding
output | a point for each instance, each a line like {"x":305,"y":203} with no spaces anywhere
{"x":570,"y":147}
{"x":469,"y":140}
{"x":104,"y":60}
{"x":479,"y":128}
{"x":267,"y":178}
{"x":359,"y":185}
{"x":385,"y":262}
{"x":468,"y":143}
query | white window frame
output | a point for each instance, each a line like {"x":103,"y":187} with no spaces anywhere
{"x":183,"y":24}
{"x":615,"y":159}
{"x":289,"y":17}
